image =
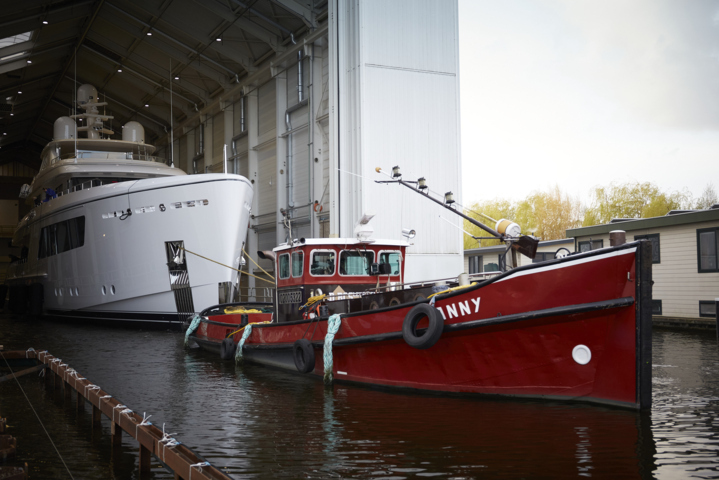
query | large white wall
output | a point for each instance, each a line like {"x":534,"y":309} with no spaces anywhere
{"x":397,"y":103}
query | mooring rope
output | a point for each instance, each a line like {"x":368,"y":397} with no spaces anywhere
{"x":143,"y":423}
{"x":199,"y":467}
{"x":245,"y":334}
{"x":193,"y":326}
{"x":333,"y":325}
{"x":38,"y":417}
{"x":257,"y":264}
{"x":227,"y":266}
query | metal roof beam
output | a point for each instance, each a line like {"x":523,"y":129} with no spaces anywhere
{"x":154,"y":29}
{"x":300,"y":10}
{"x":144,"y":77}
{"x":223,"y":11}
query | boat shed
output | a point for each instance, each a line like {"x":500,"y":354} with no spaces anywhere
{"x":303,"y":97}
{"x":685,"y":261}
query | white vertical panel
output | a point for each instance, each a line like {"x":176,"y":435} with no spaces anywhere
{"x":266,"y":112}
{"x":218,"y":138}
{"x":267,"y":184}
{"x":241,"y":161}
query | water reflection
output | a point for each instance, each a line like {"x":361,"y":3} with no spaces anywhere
{"x":256,"y":422}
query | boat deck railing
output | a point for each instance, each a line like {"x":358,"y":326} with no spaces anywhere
{"x":106,"y":156}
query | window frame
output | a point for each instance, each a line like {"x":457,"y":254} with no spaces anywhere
{"x":715,"y":230}
{"x":285,"y":255}
{"x":706,"y":302}
{"x":399,"y":254}
{"x":362,"y":253}
{"x":324,"y":250}
{"x":657,"y":303}
{"x":650,"y":237}
{"x":590,"y":242}
{"x":292,"y":263}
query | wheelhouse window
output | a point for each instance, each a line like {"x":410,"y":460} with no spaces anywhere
{"x":284,"y":265}
{"x":323,"y":263}
{"x":394,"y":258}
{"x":61,"y":237}
{"x":590,"y":245}
{"x":654,"y":238}
{"x":707,"y":248}
{"x":298,"y":259}
{"x":355,"y":262}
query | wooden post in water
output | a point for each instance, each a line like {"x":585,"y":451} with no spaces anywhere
{"x":96,"y":415}
{"x":80,"y":401}
{"x":66,"y":390}
{"x":116,"y":434}
{"x":145,"y":459}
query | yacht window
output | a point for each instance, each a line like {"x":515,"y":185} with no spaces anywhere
{"x":284,"y":266}
{"x":323,"y":263}
{"x":393,"y":258}
{"x":297,"y":261}
{"x":355,"y":262}
{"x":61,"y":237}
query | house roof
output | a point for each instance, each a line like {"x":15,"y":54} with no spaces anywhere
{"x":648,"y":223}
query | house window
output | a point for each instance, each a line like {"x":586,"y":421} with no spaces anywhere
{"x":707,"y":248}
{"x":543,"y":257}
{"x":656,"y":307}
{"x":475,"y":264}
{"x":654,"y":238}
{"x":590,"y":245}
{"x":707,"y":309}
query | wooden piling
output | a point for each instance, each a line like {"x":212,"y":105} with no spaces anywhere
{"x":181,"y":460}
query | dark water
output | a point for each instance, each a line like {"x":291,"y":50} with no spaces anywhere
{"x":255,"y":422}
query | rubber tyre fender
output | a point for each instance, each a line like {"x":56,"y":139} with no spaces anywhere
{"x":227,"y":349}
{"x":431,"y":333}
{"x":304,"y":355}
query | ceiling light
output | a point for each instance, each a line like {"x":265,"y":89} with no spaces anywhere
{"x":147,"y":104}
{"x":29,"y":61}
{"x":12,"y":114}
{"x":4,"y":133}
{"x":119,"y":70}
{"x":219,"y":39}
{"x":19,"y":92}
{"x":149,"y":34}
{"x":44,"y":22}
{"x":177,"y":77}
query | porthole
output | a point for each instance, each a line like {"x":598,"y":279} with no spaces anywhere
{"x":112,"y":289}
{"x":104,"y":290}
{"x":581,"y":354}
{"x":77,"y":292}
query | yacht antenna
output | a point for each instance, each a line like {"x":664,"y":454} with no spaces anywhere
{"x":172,"y":132}
{"x":74,"y":104}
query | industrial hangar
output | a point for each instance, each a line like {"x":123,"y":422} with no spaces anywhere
{"x":303,"y":97}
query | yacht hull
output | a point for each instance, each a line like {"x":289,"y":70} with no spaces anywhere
{"x":141,"y":256}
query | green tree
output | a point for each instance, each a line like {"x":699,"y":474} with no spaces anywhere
{"x":549,"y":214}
{"x":707,"y":199}
{"x":494,"y":209}
{"x":631,"y":200}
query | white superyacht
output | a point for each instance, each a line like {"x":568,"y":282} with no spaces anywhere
{"x":124,"y":240}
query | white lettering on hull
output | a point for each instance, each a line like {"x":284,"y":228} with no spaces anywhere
{"x":464,"y":308}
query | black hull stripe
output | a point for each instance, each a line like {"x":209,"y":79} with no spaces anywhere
{"x":457,"y":327}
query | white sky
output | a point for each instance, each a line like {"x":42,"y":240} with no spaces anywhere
{"x":583,"y":93}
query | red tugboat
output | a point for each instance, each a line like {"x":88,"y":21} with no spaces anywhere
{"x":572,"y":328}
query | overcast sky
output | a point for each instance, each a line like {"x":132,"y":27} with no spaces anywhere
{"x":583,"y":93}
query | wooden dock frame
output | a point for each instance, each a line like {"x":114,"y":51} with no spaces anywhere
{"x":185,"y":464}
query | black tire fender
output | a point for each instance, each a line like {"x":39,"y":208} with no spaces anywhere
{"x":227,"y":349}
{"x":304,"y":355}
{"x":431,"y":333}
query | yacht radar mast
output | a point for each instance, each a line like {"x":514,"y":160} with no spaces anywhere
{"x":87,"y":100}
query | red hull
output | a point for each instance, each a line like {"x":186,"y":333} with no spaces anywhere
{"x":511,"y":335}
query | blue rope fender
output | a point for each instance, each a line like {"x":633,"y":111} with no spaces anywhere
{"x":333,"y":325}
{"x":193,"y":326}
{"x":245,"y":335}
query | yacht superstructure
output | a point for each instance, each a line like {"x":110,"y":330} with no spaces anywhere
{"x":118,"y":235}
